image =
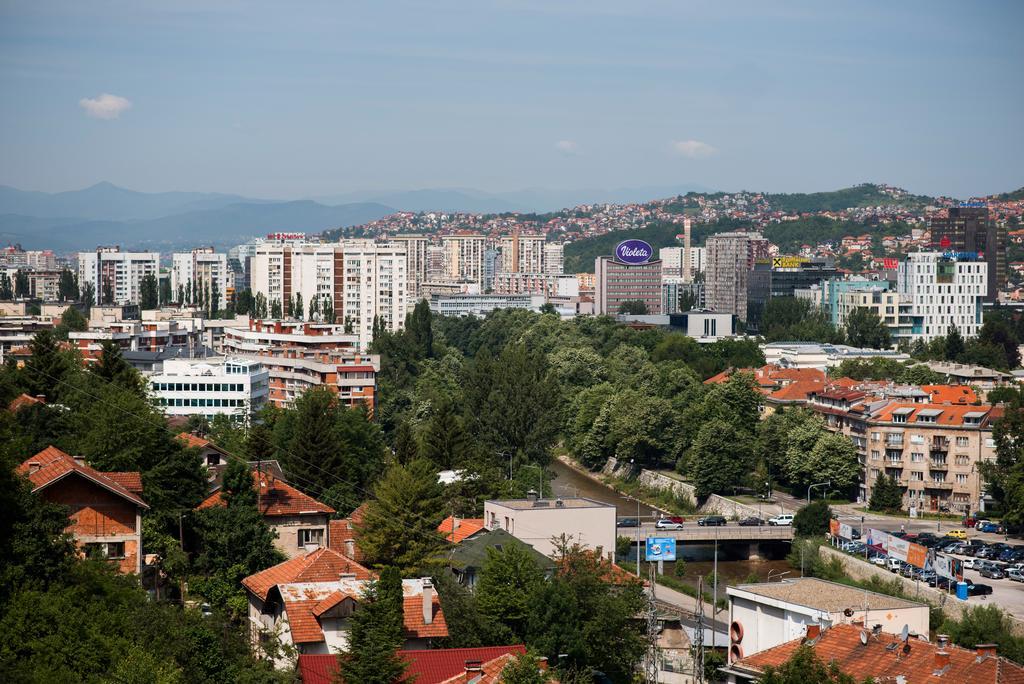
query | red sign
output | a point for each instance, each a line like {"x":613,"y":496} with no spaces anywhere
{"x":944,"y":243}
{"x":890,"y":263}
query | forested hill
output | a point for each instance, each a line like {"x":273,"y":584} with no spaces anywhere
{"x":580,"y":255}
{"x":864,"y":195}
{"x":1017,"y":194}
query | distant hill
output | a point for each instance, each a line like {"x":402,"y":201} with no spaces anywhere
{"x":580,"y":255}
{"x":866,"y":195}
{"x":1017,"y":194}
{"x":105,"y":201}
{"x":221,"y":227}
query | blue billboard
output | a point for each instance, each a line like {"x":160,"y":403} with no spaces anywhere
{"x":661,"y":549}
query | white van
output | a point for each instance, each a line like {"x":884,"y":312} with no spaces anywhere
{"x":893,"y":564}
{"x":784,"y":519}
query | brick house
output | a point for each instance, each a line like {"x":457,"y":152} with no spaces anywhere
{"x":300,"y":521}
{"x":307,"y":603}
{"x":105,"y":509}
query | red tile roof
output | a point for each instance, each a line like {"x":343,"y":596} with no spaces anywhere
{"x":191,"y":440}
{"x":431,"y":666}
{"x":342,"y":531}
{"x":23,"y":400}
{"x":277,"y":497}
{"x":465,"y":528}
{"x":950,"y":414}
{"x":951,"y":394}
{"x":51,"y":464}
{"x":412,"y":617}
{"x":796,"y":391}
{"x":842,"y":646}
{"x":321,"y":565}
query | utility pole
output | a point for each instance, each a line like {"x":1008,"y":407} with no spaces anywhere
{"x":698,"y":635}
{"x":714,"y":600}
{"x":651,"y":655}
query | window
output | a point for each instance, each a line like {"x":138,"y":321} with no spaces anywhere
{"x":962,"y":441}
{"x":961,"y":478}
{"x":311,"y":536}
{"x":107,"y":550}
{"x":916,"y":457}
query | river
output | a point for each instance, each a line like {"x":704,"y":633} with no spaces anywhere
{"x":699,"y":558}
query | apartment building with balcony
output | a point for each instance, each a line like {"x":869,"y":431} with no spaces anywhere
{"x":933,"y":451}
{"x":116,"y":276}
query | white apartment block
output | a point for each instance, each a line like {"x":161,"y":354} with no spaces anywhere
{"x":417,"y":261}
{"x":938,"y":292}
{"x":464,"y":257}
{"x":554,"y":258}
{"x":883,"y":303}
{"x":361,"y":279}
{"x":203,"y":267}
{"x":42,"y":260}
{"x":229,"y":386}
{"x":118,"y":273}
{"x":673,"y":259}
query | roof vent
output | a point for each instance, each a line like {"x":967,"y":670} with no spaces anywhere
{"x":559,"y":503}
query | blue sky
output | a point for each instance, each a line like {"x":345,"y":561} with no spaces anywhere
{"x":293,"y":99}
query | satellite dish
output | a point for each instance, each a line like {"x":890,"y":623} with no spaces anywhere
{"x":905,"y":633}
{"x":848,"y":612}
{"x":863,"y":638}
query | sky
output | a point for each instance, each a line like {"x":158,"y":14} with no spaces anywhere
{"x":304,"y":99}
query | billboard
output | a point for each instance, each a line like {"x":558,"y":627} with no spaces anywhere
{"x":788,"y":262}
{"x":949,"y":567}
{"x":890,"y":263}
{"x":661,"y":549}
{"x":633,"y":252}
{"x":841,"y":530}
{"x":897,"y":548}
{"x":878,"y":540}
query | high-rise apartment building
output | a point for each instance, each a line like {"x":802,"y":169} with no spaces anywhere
{"x":15,"y":257}
{"x":416,"y":269}
{"x":464,"y":256}
{"x":938,"y":292}
{"x":435,"y":263}
{"x":205,"y":270}
{"x":554,"y":258}
{"x":730,"y":259}
{"x":358,"y":281}
{"x":522,"y":253}
{"x":969,"y":230}
{"x":116,"y":276}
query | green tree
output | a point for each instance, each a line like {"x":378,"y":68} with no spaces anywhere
{"x":508,"y":578}
{"x":721,"y":458}
{"x":67,"y":286}
{"x":986,"y":625}
{"x":400,"y":522}
{"x":954,"y":344}
{"x":6,"y":287}
{"x":88,"y":295}
{"x":71,"y":320}
{"x":165,"y":292}
{"x":48,"y":370}
{"x":149,"y":292}
{"x":21,"y":284}
{"x":419,"y":330}
{"x":886,"y":494}
{"x":112,"y":368}
{"x":633,"y":307}
{"x":275,"y":310}
{"x":804,"y":666}
{"x":997,"y":332}
{"x":813,"y":519}
{"x":865,"y":329}
{"x":467,"y":626}
{"x":445,"y":441}
{"x":297,"y":308}
{"x":376,"y":634}
{"x":523,"y":669}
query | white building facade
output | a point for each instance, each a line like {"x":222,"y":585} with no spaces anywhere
{"x":202,"y":268}
{"x":229,"y":386}
{"x":116,"y":276}
{"x":939,"y":291}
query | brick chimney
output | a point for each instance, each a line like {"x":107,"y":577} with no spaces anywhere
{"x":813,"y":631}
{"x":428,"y":601}
{"x":986,"y":650}
{"x":943,"y":640}
{"x":941,"y":661}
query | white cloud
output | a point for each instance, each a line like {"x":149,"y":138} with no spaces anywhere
{"x":105,"y":106}
{"x":567,"y":146}
{"x":694,"y":149}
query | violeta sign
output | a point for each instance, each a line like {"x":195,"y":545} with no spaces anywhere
{"x":633,"y":252}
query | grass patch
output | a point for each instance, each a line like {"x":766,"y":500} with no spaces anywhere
{"x":673,"y":583}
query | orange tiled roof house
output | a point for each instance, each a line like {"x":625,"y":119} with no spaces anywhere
{"x":105,"y":509}
{"x":307,"y":603}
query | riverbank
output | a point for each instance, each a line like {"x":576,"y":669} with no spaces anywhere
{"x":655,"y":507}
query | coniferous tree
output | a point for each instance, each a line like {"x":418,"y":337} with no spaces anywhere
{"x":886,"y":495}
{"x":376,"y":635}
{"x":507,"y":580}
{"x":149,"y":295}
{"x":21,"y":284}
{"x":328,"y":309}
{"x":165,"y":292}
{"x":954,"y":345}
{"x":112,"y":368}
{"x":6,"y":287}
{"x":399,"y":525}
{"x":67,"y":286}
{"x":48,"y":369}
{"x":445,"y":440}
{"x":406,"y":446}
{"x":314,"y":307}
{"x":297,"y":308}
{"x":419,"y":330}
{"x":88,"y":295}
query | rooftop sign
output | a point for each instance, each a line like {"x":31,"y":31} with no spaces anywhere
{"x":633,"y":252}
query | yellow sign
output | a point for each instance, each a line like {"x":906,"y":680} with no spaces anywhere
{"x":788,"y":262}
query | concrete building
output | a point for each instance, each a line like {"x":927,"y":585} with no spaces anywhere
{"x":938,"y":292}
{"x":536,"y":283}
{"x":116,"y":276}
{"x":554,"y":258}
{"x":730,"y":259}
{"x":176,"y":337}
{"x":616,"y":282}
{"x":15,"y":257}
{"x":300,"y":355}
{"x":536,"y":521}
{"x":821,"y":356}
{"x":228,"y":386}
{"x":881,"y":302}
{"x":356,"y":281}
{"x":416,"y":245}
{"x":706,"y":326}
{"x":673,"y":290}
{"x":202,"y":269}
{"x":969,"y":229}
{"x":482,"y":304}
{"x":522,"y":253}
{"x":763,"y":616}
{"x":464,"y":256}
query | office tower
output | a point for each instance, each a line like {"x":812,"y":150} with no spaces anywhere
{"x":730,"y":259}
{"x":616,"y":282}
{"x":938,"y":292}
{"x":116,"y":276}
{"x":969,"y":229}
{"x":201,"y":270}
{"x":492,"y":261}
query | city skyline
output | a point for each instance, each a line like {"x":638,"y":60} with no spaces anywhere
{"x":266,"y":102}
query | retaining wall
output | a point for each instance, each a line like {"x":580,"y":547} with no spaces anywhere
{"x":716,"y":504}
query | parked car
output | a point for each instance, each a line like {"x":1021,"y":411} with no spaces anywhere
{"x":668,"y":524}
{"x":979,"y":589}
{"x":880,"y":559}
{"x":979,"y":523}
{"x":990,"y":527}
{"x":856,"y":548}
{"x":893,"y":564}
{"x":1007,"y":555}
{"x":627,"y":522}
{"x":986,"y":552}
{"x":781,"y":520}
{"x":1015,"y":574}
{"x":751,"y":521}
{"x":957,"y":534}
{"x":926,"y":576}
{"x":971,"y":563}
{"x":712,"y":521}
{"x":908,"y":570}
{"x":991,"y":572}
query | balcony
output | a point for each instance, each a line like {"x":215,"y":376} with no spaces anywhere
{"x":937,"y":484}
{"x":936,"y":464}
{"x":940,"y":444}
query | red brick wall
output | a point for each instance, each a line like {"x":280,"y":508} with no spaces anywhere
{"x":93,"y":509}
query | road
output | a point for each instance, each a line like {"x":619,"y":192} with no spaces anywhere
{"x":692,"y":532}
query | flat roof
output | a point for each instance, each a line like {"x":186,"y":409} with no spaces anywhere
{"x":823,"y":595}
{"x":548,"y":504}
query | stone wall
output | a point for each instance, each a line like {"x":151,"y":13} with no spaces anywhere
{"x":859,"y":569}
{"x":614,"y":469}
{"x":715,"y":504}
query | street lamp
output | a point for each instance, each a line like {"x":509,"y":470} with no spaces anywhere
{"x":817,"y":484}
{"x":782,"y":573}
{"x":637,"y":532}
